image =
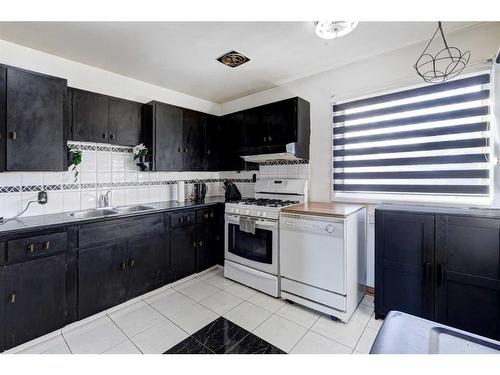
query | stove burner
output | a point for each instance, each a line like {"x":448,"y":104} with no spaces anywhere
{"x":266,"y":202}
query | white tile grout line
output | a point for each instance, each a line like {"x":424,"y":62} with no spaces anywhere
{"x":64,"y":339}
{"x":129,"y":338}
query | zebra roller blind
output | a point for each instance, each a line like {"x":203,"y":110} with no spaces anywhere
{"x":427,"y":140}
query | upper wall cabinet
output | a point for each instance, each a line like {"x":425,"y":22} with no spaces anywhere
{"x":32,"y":113}
{"x":100,"y":118}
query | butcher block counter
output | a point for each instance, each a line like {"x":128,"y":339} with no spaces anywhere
{"x":323,"y":209}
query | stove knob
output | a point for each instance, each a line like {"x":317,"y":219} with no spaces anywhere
{"x":264,"y":214}
{"x":248,"y":212}
{"x":237,"y":210}
{"x":330,"y":228}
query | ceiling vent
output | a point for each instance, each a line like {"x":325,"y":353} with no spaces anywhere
{"x":233,"y":59}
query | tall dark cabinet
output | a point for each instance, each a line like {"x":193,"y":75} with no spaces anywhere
{"x":2,"y":303}
{"x":441,"y":265}
{"x":33,"y":121}
{"x":194,"y":125}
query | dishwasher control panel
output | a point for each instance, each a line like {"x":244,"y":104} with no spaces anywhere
{"x":311,"y":224}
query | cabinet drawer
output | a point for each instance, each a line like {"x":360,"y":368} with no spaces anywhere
{"x":206,"y":215}
{"x":36,"y":246}
{"x":113,"y":230}
{"x":183,"y":218}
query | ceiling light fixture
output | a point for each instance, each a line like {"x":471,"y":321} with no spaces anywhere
{"x":334,"y":29}
{"x":233,"y":59}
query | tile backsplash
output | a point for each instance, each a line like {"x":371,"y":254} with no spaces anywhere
{"x":105,"y":167}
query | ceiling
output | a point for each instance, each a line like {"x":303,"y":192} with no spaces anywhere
{"x":182,"y":55}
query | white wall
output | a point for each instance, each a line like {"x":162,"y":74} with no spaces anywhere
{"x":89,"y":78}
{"x":384,"y":72}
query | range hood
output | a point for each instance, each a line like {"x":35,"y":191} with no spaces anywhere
{"x":290,"y":151}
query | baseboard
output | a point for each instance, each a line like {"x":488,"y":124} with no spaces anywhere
{"x":370,"y":290}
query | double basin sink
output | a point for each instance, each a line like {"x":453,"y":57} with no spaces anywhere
{"x":107,"y":211}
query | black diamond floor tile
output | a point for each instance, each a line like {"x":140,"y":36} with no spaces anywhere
{"x":189,"y":346}
{"x":220,"y":335}
{"x":252,"y":344}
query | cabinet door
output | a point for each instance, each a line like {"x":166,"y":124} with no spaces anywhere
{"x":101,"y":278}
{"x":468,"y":274}
{"x":145,"y":263}
{"x":90,"y":117}
{"x":168,"y":138}
{"x":3,"y":115}
{"x":281,"y":120}
{"x":124,"y":122}
{"x":206,"y":247}
{"x":256,"y":131}
{"x":2,"y":308}
{"x":213,"y":144}
{"x":182,"y":252}
{"x":35,"y":121}
{"x":231,"y":140}
{"x":193,"y":132}
{"x":35,"y":303}
{"x":404,"y":261}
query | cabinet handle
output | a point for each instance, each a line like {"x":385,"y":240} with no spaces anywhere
{"x":265,"y":139}
{"x":209,"y":152}
{"x":200,"y":244}
{"x":13,"y":298}
{"x":211,"y":214}
{"x":131,"y":262}
{"x":13,"y":135}
{"x":269,"y":139}
{"x":205,"y":216}
{"x":46,"y":245}
{"x":179,"y":150}
{"x":111,"y":136}
{"x":180,"y":220}
{"x":103,"y":135}
{"x":123,"y":265}
{"x":186,"y":149}
{"x":188,"y":218}
{"x":194,"y":244}
{"x":427,"y":273}
{"x":31,"y":247}
{"x":441,"y":274}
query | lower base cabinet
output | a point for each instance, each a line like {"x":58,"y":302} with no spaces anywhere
{"x":439,"y":266}
{"x":183,"y":252}
{"x":206,"y":247}
{"x":35,"y":299}
{"x":2,"y":308}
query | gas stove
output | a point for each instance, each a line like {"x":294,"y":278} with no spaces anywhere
{"x":271,"y":195}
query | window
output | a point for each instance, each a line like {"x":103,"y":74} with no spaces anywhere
{"x":432,"y":140}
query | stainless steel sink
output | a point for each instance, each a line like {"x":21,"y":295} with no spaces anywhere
{"x":93,"y":213}
{"x":135,"y":208}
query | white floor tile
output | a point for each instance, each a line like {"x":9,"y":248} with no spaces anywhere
{"x":346,"y":334}
{"x":362,"y":314}
{"x":248,"y":315}
{"x":241,"y":291}
{"x":221,"y":302}
{"x":366,"y":341}
{"x":210,"y":273}
{"x":54,"y":345}
{"x":368,"y":300}
{"x":314,"y":343}
{"x":151,"y":298}
{"x":126,"y":347}
{"x":267,"y":302}
{"x":172,"y":304}
{"x":197,"y":289}
{"x":193,"y":318}
{"x":280,"y":332}
{"x":374,"y":323}
{"x":218,"y":280}
{"x":95,"y":337}
{"x":299,"y":314}
{"x":159,"y":338}
{"x":136,"y":318}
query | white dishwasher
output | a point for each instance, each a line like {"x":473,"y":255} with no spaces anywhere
{"x":322,"y":261}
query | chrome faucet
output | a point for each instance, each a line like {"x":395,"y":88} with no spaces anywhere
{"x":103,"y":200}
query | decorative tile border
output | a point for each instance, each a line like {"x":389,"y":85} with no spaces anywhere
{"x":105,"y":185}
{"x":284,"y":162}
{"x":101,"y":147}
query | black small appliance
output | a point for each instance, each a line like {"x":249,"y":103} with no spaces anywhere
{"x":232,"y":193}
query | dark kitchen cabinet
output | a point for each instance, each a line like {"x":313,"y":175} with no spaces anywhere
{"x":145,"y":263}
{"x":35,"y":304}
{"x":34,"y":121}
{"x":206,"y":248}
{"x":213,"y":144}
{"x":183,"y":252}
{"x":231,"y":140}
{"x":89,"y":116}
{"x":101,"y":278}
{"x":193,"y":144}
{"x":440,"y":265}
{"x":162,"y":134}
{"x":105,"y":119}
{"x":256,"y":128}
{"x":281,"y":120}
{"x":404,"y":263}
{"x":468,"y":274}
{"x":3,"y":118}
{"x":124,"y":122}
{"x":2,"y":308}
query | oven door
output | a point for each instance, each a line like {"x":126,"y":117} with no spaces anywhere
{"x":258,"y":251}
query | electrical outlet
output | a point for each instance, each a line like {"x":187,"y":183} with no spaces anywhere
{"x":42,"y":197}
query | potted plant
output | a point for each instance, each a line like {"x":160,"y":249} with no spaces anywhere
{"x":140,"y":153}
{"x":75,"y":158}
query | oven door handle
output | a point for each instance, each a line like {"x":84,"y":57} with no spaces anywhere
{"x":258,"y":223}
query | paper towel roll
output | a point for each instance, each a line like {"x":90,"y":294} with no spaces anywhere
{"x":180,"y":191}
